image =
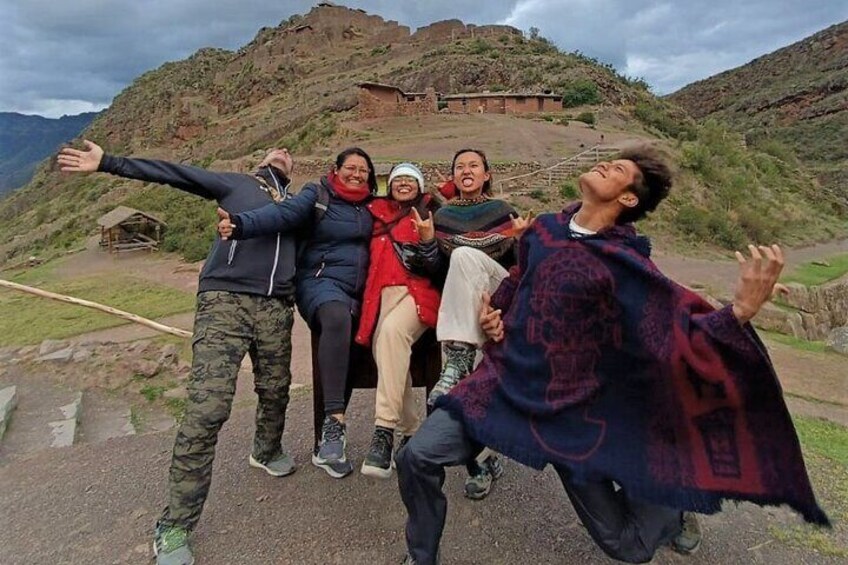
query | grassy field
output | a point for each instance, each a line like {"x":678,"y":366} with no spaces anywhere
{"x":825,"y":447}
{"x":792,"y":341}
{"x":811,"y":274}
{"x":30,"y":319}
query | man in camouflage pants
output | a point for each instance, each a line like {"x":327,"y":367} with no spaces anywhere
{"x":244,"y":306}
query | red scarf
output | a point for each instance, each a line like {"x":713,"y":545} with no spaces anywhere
{"x":346,"y":193}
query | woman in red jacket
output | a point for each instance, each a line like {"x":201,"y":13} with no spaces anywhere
{"x":397,"y":309}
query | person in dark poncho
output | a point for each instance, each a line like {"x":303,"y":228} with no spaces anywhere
{"x":469,"y":244}
{"x":649,"y":403}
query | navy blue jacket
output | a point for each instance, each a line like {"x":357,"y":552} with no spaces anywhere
{"x":263,"y":266}
{"x":333,"y":260}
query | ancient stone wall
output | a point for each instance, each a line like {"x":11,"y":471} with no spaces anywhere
{"x":816,"y":311}
{"x":381,"y":103}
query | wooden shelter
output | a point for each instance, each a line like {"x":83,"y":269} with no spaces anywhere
{"x":128,"y":229}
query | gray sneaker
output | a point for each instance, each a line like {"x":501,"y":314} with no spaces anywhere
{"x":479,"y":485}
{"x":688,"y":540}
{"x":280,"y":466}
{"x":171,"y":546}
{"x":330,"y":455}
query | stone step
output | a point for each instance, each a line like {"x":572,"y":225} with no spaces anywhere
{"x":46,"y":416}
{"x":64,"y":430}
{"x":8,"y":403}
{"x":105,"y":416}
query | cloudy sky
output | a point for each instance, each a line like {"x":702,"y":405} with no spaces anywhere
{"x":69,"y":57}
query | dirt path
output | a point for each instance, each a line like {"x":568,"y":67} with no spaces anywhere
{"x":98,"y":503}
{"x":720,"y":275}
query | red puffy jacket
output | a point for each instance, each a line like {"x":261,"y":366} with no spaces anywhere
{"x":385,"y":269}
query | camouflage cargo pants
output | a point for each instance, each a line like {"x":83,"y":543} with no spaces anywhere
{"x":226,"y":327}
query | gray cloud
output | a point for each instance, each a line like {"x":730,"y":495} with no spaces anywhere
{"x":67,"y":57}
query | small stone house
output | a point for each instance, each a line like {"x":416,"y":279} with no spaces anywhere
{"x":502,"y":103}
{"x":382,"y":100}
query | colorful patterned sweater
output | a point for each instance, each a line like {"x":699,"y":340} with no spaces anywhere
{"x":486,"y":225}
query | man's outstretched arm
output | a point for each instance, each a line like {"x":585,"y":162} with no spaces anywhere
{"x":207,"y":184}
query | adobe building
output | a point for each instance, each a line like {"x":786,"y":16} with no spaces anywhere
{"x":502,"y":103}
{"x":382,"y":100}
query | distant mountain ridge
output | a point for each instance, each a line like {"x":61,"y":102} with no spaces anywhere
{"x":295,"y":85}
{"x":796,"y":96}
{"x":27,"y":140}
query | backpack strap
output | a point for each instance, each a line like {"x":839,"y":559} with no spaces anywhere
{"x":321,"y":203}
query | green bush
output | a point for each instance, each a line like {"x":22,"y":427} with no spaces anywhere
{"x":539,"y":194}
{"x":479,"y":46}
{"x":653,"y":114}
{"x":586,"y":118}
{"x":569,"y":190}
{"x":579,"y":93}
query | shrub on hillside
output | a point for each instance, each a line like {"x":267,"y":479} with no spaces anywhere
{"x":579,"y":93}
{"x":652,"y":113}
{"x":569,"y":190}
{"x":586,"y":118}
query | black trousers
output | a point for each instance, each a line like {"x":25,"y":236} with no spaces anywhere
{"x":335,"y":323}
{"x":625,"y":529}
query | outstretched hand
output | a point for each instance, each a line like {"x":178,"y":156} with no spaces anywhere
{"x":425,"y":229}
{"x":225,"y":226}
{"x":521,"y":224}
{"x":490,"y":320}
{"x":757,"y":281}
{"x":80,"y":161}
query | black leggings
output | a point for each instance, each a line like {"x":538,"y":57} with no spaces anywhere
{"x":334,"y":323}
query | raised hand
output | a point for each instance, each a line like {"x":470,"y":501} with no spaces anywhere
{"x":425,"y":229}
{"x":225,"y":226}
{"x":757,"y":281}
{"x":490,"y":320}
{"x":72,"y":160}
{"x":520,"y":224}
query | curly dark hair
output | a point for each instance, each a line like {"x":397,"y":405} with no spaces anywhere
{"x":652,"y":185}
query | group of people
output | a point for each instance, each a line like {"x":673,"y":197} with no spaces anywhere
{"x":649,"y":403}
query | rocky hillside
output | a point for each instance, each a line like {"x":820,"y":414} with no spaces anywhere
{"x":295,"y":85}
{"x":26,"y":140}
{"x":795,"y":98}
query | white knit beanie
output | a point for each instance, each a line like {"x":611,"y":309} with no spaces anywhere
{"x":407,"y":170}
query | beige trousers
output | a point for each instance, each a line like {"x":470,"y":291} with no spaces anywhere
{"x":398,"y":327}
{"x":471,"y":272}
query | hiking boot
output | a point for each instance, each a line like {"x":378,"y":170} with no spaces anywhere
{"x":688,"y":540}
{"x":279,"y":466}
{"x":171,"y":547}
{"x":479,"y":485}
{"x":459,"y":360}
{"x":330,"y":452}
{"x":378,"y":462}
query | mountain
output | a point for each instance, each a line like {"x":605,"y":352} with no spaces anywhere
{"x":296,"y":85}
{"x":795,"y":98}
{"x":27,"y":140}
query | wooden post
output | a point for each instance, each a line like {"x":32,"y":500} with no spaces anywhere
{"x":88,"y":304}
